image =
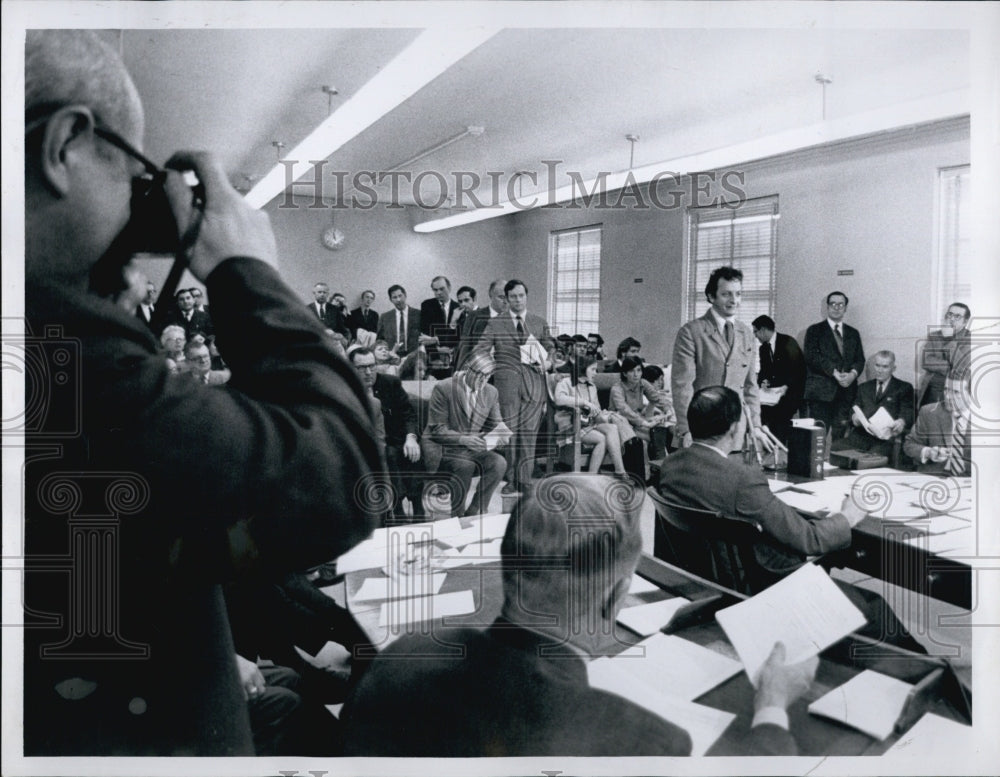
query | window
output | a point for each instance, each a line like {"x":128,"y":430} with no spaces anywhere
{"x":953,"y":259}
{"x":574,"y":280}
{"x":745,"y":238}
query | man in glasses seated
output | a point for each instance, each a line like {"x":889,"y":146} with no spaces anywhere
{"x":154,"y":490}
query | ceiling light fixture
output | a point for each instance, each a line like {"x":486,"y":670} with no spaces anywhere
{"x":427,"y":57}
{"x":823,"y":81}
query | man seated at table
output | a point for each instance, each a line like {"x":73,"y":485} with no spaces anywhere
{"x":704,"y":477}
{"x":520,"y":687}
{"x":939,"y":441}
{"x":884,"y":391}
{"x":464,"y":409}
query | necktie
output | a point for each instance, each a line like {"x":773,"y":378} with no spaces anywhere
{"x":879,"y":388}
{"x":839,"y":337}
{"x":956,"y":447}
{"x":399,"y":327}
{"x":322,"y":312}
{"x":521,"y":337}
{"x":728,"y":329}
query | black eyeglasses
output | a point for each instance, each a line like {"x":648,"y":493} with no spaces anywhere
{"x":153,"y":175}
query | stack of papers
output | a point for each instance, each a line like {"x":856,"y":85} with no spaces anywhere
{"x":805,"y":610}
{"x":477,"y":553}
{"x":878,"y":425}
{"x":870,"y":702}
{"x":646,"y":619}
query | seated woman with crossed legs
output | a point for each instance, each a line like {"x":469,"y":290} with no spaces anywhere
{"x":607,"y":432}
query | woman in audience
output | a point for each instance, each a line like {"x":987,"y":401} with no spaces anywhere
{"x":631,"y":395}
{"x":173,"y":341}
{"x":386,"y":361}
{"x":598,"y":427}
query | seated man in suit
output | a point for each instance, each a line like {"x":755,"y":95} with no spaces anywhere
{"x":781,"y":366}
{"x":463,"y":409}
{"x":520,"y":688}
{"x":939,"y":441}
{"x":883,"y":391}
{"x":704,"y":477}
{"x":198,"y":363}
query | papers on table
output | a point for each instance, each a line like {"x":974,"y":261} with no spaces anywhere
{"x":399,"y":612}
{"x":870,"y":702}
{"x":478,"y":553}
{"x":703,"y":724}
{"x":671,"y":665}
{"x":957,"y":542}
{"x":498,"y":435}
{"x":375,"y":588}
{"x":641,"y":585}
{"x":879,"y":425}
{"x":457,"y":532}
{"x":805,"y":610}
{"x":934,"y":736}
{"x":777,"y":485}
{"x":809,"y":503}
{"x":646,"y":619}
{"x":942,"y":524}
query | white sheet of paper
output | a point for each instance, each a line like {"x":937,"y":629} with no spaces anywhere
{"x":532,"y":351}
{"x":384,"y":543}
{"x":870,"y":702}
{"x":807,"y":503}
{"x":704,"y":724}
{"x":646,"y":619}
{"x":641,"y":585}
{"x":805,"y":610}
{"x":501,"y":433}
{"x":675,"y":666}
{"x":942,"y":524}
{"x":400,"y":612}
{"x":374,"y":588}
{"x":933,"y":736}
{"x":476,"y":553}
{"x":769,"y":396}
{"x":881,"y":471}
{"x":828,"y":489}
{"x":778,"y":485}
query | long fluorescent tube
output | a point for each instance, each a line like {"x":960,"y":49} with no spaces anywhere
{"x":954,"y":103}
{"x":432,"y":53}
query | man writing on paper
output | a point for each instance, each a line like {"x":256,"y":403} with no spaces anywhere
{"x":883,"y":411}
{"x":704,"y":477}
{"x":520,"y":687}
{"x":464,"y":419}
{"x":940,"y":442}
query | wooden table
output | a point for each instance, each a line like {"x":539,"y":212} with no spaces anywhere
{"x":816,"y":736}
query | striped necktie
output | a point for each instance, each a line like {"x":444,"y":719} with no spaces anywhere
{"x":956,"y":446}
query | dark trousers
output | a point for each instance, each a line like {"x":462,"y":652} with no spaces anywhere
{"x":836,"y":413}
{"x":460,"y":465}
{"x":522,"y":396}
{"x":407,"y":481}
{"x":285,"y":722}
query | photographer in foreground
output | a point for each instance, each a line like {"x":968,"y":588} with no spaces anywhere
{"x":255,"y":478}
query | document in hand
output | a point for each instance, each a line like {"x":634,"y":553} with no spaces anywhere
{"x":805,"y":610}
{"x":878,"y":425}
{"x":498,"y":435}
{"x":870,"y":702}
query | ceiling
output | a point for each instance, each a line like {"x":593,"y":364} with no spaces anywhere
{"x":541,"y":94}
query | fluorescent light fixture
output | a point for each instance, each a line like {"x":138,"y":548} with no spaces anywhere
{"x":942,"y":106}
{"x":432,"y":53}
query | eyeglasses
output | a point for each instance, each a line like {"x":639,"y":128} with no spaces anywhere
{"x":952,"y":316}
{"x":153,"y":175}
{"x":837,"y":304}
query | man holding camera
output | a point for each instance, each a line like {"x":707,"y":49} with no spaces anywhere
{"x":127,"y":651}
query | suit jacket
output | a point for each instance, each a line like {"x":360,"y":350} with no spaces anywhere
{"x":491,"y":693}
{"x":448,"y":418}
{"x":387,"y":329}
{"x":397,"y":412}
{"x":268,"y":465}
{"x":823,"y":357}
{"x":938,"y":357}
{"x":700,"y":477}
{"x":360,"y":319}
{"x":334,"y":318}
{"x":897,"y":399}
{"x":434,"y":323}
{"x":139,"y":314}
{"x":500,"y":334}
{"x":473,"y":326}
{"x":200,"y":323}
{"x":787,"y":368}
{"x":933,"y":428}
{"x":702,"y":358}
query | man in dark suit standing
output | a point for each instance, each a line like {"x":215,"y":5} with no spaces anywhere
{"x":834,"y":360}
{"x":363,"y":317}
{"x":438,"y":317}
{"x":521,"y":345}
{"x":520,"y":687}
{"x":402,"y":448}
{"x":400,"y":327}
{"x":144,"y":310}
{"x":194,"y":322}
{"x":781,"y":366}
{"x":463,"y":409}
{"x":883,"y":391}
{"x":476,"y":321}
{"x":327,"y":312}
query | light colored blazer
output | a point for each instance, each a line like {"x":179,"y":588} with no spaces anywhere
{"x":448,"y":419}
{"x":702,"y":358}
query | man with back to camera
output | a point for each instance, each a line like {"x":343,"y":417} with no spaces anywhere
{"x":717,"y":350}
{"x":946,"y":351}
{"x":399,"y":327}
{"x":781,"y":366}
{"x":272,"y":494}
{"x":522,"y":345}
{"x":520,"y":687}
{"x":886,"y":392}
{"x":834,"y":360}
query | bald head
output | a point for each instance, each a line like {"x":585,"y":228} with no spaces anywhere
{"x":68,"y":67}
